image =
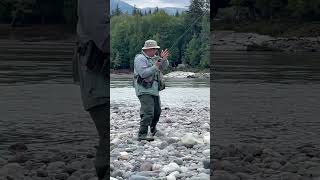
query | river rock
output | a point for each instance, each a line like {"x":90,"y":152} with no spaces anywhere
{"x":289,"y":167}
{"x":156,"y":167}
{"x":128,"y":165}
{"x":175,"y":173}
{"x":171,"y":168}
{"x":123,"y":156}
{"x":115,"y":141}
{"x":171,"y":177}
{"x":75,"y":165}
{"x":148,"y":173}
{"x":12,"y":169}
{"x":138,"y":177}
{"x":80,"y":172}
{"x":206,"y":164}
{"x":224,"y":175}
{"x":172,"y":140}
{"x":163,"y":145}
{"x":206,"y":126}
{"x":56,"y":167}
{"x":2,"y":162}
{"x":72,"y":177}
{"x":201,"y":176}
{"x":117,"y":173}
{"x":289,"y":176}
{"x":146,"y":166}
{"x":189,"y":140}
{"x":206,"y":138}
{"x":180,"y":74}
{"x":87,"y":164}
{"x":314,"y":171}
{"x":87,"y":176}
{"x":206,"y":152}
{"x":178,"y":161}
{"x":61,"y":176}
{"x":42,"y":173}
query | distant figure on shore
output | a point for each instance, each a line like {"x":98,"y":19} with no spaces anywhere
{"x":91,"y":71}
{"x":148,"y":81}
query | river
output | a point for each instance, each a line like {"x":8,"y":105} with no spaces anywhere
{"x":271,"y":99}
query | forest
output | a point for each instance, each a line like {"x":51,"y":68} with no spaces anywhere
{"x":285,"y":18}
{"x":24,"y":12}
{"x":186,"y":35}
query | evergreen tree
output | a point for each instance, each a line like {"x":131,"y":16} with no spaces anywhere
{"x":117,"y":11}
{"x":194,"y":13}
{"x":135,"y":10}
{"x":116,"y":60}
{"x":140,"y":12}
{"x":177,"y":14}
{"x":128,"y":33}
{"x":205,"y":42}
{"x":156,"y":10}
{"x":192,"y":54}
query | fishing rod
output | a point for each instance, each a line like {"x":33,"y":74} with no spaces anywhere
{"x":159,"y":60}
{"x":178,"y":39}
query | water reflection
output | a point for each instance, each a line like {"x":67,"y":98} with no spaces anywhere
{"x":265,"y":67}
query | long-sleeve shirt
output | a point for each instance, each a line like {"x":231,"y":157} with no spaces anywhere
{"x":145,"y":67}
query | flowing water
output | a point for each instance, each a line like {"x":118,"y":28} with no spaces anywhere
{"x":266,"y":98}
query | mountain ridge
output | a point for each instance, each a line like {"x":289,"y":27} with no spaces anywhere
{"x":125,"y":7}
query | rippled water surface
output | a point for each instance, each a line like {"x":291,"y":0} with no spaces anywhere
{"x":266,"y":98}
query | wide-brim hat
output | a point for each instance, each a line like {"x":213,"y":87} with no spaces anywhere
{"x":150,"y":44}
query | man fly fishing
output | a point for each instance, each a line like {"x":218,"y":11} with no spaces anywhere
{"x":148,"y":81}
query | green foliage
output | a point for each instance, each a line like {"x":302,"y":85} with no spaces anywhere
{"x":70,"y":11}
{"x":194,"y":13}
{"x":269,"y":9}
{"x":305,"y":9}
{"x":6,"y":8}
{"x":128,"y":34}
{"x":192,"y":54}
{"x":205,"y":39}
{"x":38,"y":11}
{"x":117,"y":11}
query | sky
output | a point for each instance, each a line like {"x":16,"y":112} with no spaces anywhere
{"x":159,"y":3}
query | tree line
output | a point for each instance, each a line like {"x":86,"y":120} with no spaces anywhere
{"x":186,"y":35}
{"x":306,"y":10}
{"x":20,"y":12}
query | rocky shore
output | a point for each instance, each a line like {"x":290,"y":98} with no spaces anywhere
{"x":171,"y":75}
{"x":232,"y":41}
{"x":181,"y":149}
{"x":250,"y":161}
{"x":182,"y":74}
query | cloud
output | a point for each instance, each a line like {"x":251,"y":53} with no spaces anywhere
{"x":159,"y":3}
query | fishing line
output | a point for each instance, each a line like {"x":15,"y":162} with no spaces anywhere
{"x":177,"y":40}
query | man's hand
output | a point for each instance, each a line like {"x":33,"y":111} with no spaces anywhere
{"x":164,"y":54}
